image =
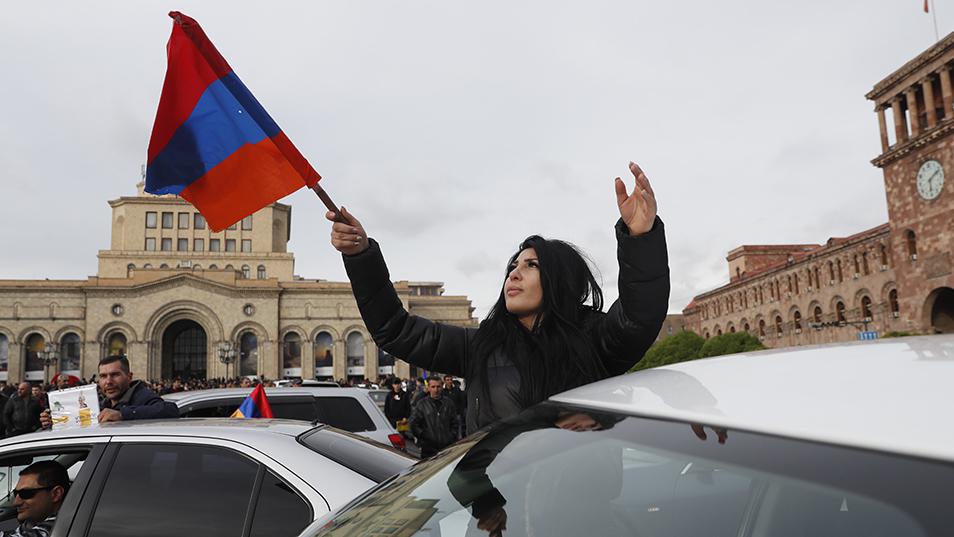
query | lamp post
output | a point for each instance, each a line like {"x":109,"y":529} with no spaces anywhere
{"x":226,"y":355}
{"x":48,"y":356}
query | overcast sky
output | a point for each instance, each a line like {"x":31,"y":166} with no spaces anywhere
{"x":455,"y":129}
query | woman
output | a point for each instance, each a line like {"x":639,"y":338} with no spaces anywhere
{"x":547,"y":332}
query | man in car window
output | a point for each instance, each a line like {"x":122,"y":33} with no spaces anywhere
{"x":125,"y":398}
{"x":38,"y":497}
{"x":434,"y":419}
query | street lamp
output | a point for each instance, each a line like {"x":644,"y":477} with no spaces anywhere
{"x":226,"y":355}
{"x":48,"y":356}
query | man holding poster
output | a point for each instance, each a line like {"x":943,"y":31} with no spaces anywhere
{"x":124,"y":398}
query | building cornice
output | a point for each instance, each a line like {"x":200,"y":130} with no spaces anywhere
{"x":928,"y":138}
{"x":909,"y":68}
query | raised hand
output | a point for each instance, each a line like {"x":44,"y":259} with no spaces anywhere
{"x":638,"y":210}
{"x":347,"y":237}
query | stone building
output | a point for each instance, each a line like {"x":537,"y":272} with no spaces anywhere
{"x":173,"y":297}
{"x":894,"y":277}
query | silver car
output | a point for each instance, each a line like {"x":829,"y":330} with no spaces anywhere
{"x":349,"y":409}
{"x":835,"y":440}
{"x":204,"y":477}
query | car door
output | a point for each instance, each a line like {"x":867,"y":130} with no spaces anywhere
{"x":155,"y":486}
{"x":80,"y":456}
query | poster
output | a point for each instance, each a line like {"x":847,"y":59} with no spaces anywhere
{"x":74,"y":407}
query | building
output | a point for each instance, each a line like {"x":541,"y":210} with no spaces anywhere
{"x":673,"y":324}
{"x":179,"y":300}
{"x":894,"y":277}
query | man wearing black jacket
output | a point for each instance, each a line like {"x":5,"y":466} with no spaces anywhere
{"x":434,"y":421}
{"x":397,"y":405}
{"x":21,"y":414}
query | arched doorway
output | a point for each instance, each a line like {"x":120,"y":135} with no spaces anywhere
{"x":942,"y":310}
{"x":248,"y":354}
{"x":184,"y":350}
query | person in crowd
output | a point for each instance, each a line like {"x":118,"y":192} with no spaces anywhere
{"x":433,"y":420}
{"x":125,"y":398}
{"x":453,"y":392}
{"x":547,"y":332}
{"x":397,"y":405}
{"x":37,"y":392}
{"x":21,"y":414}
{"x":39,"y":494}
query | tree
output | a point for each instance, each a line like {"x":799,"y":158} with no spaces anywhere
{"x":730,"y":343}
{"x":674,"y":349}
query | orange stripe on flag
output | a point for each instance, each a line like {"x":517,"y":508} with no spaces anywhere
{"x":249,"y":179}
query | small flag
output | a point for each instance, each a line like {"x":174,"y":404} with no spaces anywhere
{"x":255,"y":405}
{"x":212,"y":142}
{"x":926,"y":6}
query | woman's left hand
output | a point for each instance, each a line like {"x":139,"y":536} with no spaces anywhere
{"x":638,"y":210}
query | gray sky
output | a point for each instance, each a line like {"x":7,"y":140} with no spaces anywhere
{"x":453,"y":130}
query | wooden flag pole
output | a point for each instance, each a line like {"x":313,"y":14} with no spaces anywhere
{"x":326,"y":199}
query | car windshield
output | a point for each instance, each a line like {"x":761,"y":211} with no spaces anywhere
{"x":562,"y":471}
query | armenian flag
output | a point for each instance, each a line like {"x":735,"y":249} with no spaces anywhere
{"x":213,"y":143}
{"x":255,"y":405}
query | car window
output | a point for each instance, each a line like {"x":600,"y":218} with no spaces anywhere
{"x":222,"y":408}
{"x":345,"y":413}
{"x":293,"y":410}
{"x":559,"y":471}
{"x":10,"y":473}
{"x":279,"y":511}
{"x":169,"y":489}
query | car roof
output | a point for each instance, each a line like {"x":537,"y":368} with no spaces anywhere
{"x":217,"y":393}
{"x":241,"y":430}
{"x":892,"y":395}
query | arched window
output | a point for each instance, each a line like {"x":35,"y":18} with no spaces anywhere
{"x":817,"y":280}
{"x":229,"y":267}
{"x":246,"y":272}
{"x":707,"y":335}
{"x":116,"y":344}
{"x":854,"y":258}
{"x":746,"y":327}
{"x":864,"y":263}
{"x":817,"y":314}
{"x":355,"y":346}
{"x":731,"y":329}
{"x":831,"y":273}
{"x":129,"y":269}
{"x":893,"y":302}
{"x":841,"y":276}
{"x":719,"y":332}
{"x":147,"y":266}
{"x":912,"y":244}
{"x":386,"y":362}
{"x":738,"y":272}
{"x":789,"y":288}
{"x":866,"y":308}
{"x":70,"y":354}
{"x":795,"y":279}
{"x":4,"y":356}
{"x":163,"y":266}
{"x":291,"y":355}
{"x":797,"y":318}
{"x":261,"y":272}
{"x":840,"y":312}
{"x":35,"y":344}
{"x":761,"y":328}
{"x":213,"y":267}
{"x":778,"y":326}
{"x":884,"y":256}
{"x":324,"y":355}
{"x":248,"y":354}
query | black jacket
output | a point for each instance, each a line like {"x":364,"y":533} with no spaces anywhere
{"x":620,"y":336}
{"x":434,"y":422}
{"x":21,"y":416}
{"x":397,"y":406}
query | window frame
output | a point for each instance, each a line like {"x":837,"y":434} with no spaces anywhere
{"x":155,"y":219}
{"x":87,"y":510}
{"x":198,"y":221}
{"x":248,"y":243}
{"x":182,"y":217}
{"x":163,"y":220}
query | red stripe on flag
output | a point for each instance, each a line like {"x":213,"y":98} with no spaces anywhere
{"x":194,"y":32}
{"x":304,"y":169}
{"x":181,"y":89}
{"x":261,"y":401}
{"x":249,"y":179}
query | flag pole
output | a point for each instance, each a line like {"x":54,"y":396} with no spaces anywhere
{"x":326,"y":199}
{"x":937,"y":36}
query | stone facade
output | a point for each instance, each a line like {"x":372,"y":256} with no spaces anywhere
{"x":171,"y":309}
{"x":895,"y":277}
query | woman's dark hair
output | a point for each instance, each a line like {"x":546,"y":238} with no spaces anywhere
{"x":555,"y":355}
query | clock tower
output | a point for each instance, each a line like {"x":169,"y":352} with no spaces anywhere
{"x":915,"y":108}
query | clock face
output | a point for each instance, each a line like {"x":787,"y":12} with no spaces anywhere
{"x":930,"y":179}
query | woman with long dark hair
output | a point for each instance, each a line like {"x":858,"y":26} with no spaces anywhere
{"x":547,"y":332}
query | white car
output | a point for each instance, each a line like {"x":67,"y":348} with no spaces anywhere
{"x":198,"y":476}
{"x":349,"y":409}
{"x":840,"y":440}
